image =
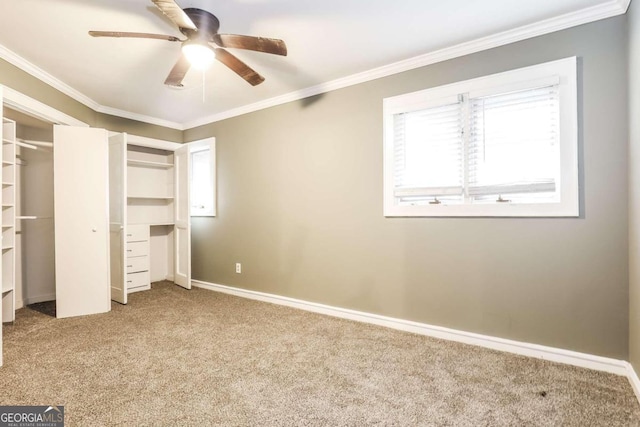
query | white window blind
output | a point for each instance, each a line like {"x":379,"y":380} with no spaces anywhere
{"x":479,"y":148}
{"x":499,"y":145}
{"x":513,"y":143}
{"x":428,"y":153}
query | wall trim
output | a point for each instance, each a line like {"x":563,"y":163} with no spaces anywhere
{"x":583,"y":360}
{"x":34,"y":300}
{"x":624,"y":5}
{"x":37,"y":72}
{"x":139,"y":117}
{"x":594,"y":13}
{"x":633,"y":380}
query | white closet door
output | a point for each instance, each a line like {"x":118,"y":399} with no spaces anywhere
{"x":182,"y":233}
{"x":117,"y":215}
{"x":81,"y":209}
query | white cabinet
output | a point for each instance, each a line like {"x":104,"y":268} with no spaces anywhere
{"x":146,"y":205}
{"x":137,"y":258}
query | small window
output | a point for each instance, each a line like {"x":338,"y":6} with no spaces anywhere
{"x":501,"y":145}
{"x":203,"y":177}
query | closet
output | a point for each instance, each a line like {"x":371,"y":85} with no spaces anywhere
{"x":65,"y":259}
{"x":88,"y":216}
{"x":149,"y":214}
{"x":32,"y":197}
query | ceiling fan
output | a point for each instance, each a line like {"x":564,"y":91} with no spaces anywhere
{"x":201,"y":28}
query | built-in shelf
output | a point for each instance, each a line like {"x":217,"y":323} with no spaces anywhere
{"x":7,"y":225}
{"x":7,"y":205}
{"x":145,"y":163}
{"x":6,"y":248}
{"x":7,"y":289}
{"x":7,"y":184}
{"x":7,"y":141}
{"x":7,"y":162}
{"x":150,"y":197}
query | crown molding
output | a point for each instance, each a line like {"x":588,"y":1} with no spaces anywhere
{"x":624,"y":5}
{"x":37,"y":72}
{"x":29,"y":68}
{"x":140,"y":117}
{"x":580,"y":17}
{"x":584,"y":16}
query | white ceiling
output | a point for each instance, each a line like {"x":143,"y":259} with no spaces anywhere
{"x":328,"y":41}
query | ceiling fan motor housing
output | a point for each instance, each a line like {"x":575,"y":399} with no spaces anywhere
{"x":207,"y":24}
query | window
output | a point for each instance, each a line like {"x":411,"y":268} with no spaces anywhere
{"x":501,"y":145}
{"x":203,"y":177}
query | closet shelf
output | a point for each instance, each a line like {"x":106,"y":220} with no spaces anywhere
{"x":130,"y":196}
{"x":7,"y":289}
{"x":6,"y":184}
{"x":8,"y":225}
{"x":8,"y":205}
{"x":7,"y":141}
{"x":7,"y":162}
{"x":145,"y":163}
{"x":6,"y":248}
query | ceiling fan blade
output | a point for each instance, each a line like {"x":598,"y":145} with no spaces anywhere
{"x":175,"y":13}
{"x":133,"y":35}
{"x":178,"y":72}
{"x":239,"y":67}
{"x":259,"y":44}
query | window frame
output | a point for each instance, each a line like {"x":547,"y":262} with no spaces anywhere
{"x":564,"y":71}
{"x":195,"y":147}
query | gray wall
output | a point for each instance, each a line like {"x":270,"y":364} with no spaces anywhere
{"x":300,"y":205}
{"x":634,"y":185}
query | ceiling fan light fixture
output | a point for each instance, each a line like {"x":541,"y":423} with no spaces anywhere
{"x":199,"y":55}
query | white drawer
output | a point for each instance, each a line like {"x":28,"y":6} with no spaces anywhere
{"x":137,"y":249}
{"x":137,"y":233}
{"x":136,"y":280}
{"x":137,"y":264}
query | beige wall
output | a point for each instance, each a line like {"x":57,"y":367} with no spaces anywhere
{"x":634,"y":185}
{"x":300,"y":205}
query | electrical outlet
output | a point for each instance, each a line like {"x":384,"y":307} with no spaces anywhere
{"x":238,"y":268}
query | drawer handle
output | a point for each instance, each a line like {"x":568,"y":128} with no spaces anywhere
{"x":129,"y":235}
{"x":129,"y":266}
{"x":129,"y":281}
{"x":129,"y":250}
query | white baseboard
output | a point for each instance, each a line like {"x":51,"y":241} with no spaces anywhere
{"x":583,"y":360}
{"x":34,"y":300}
{"x":633,"y":380}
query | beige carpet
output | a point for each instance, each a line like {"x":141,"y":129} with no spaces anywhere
{"x":177,"y":357}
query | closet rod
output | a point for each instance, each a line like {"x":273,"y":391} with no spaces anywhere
{"x":34,"y":217}
{"x":36,"y":143}
{"x":25,"y":145}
